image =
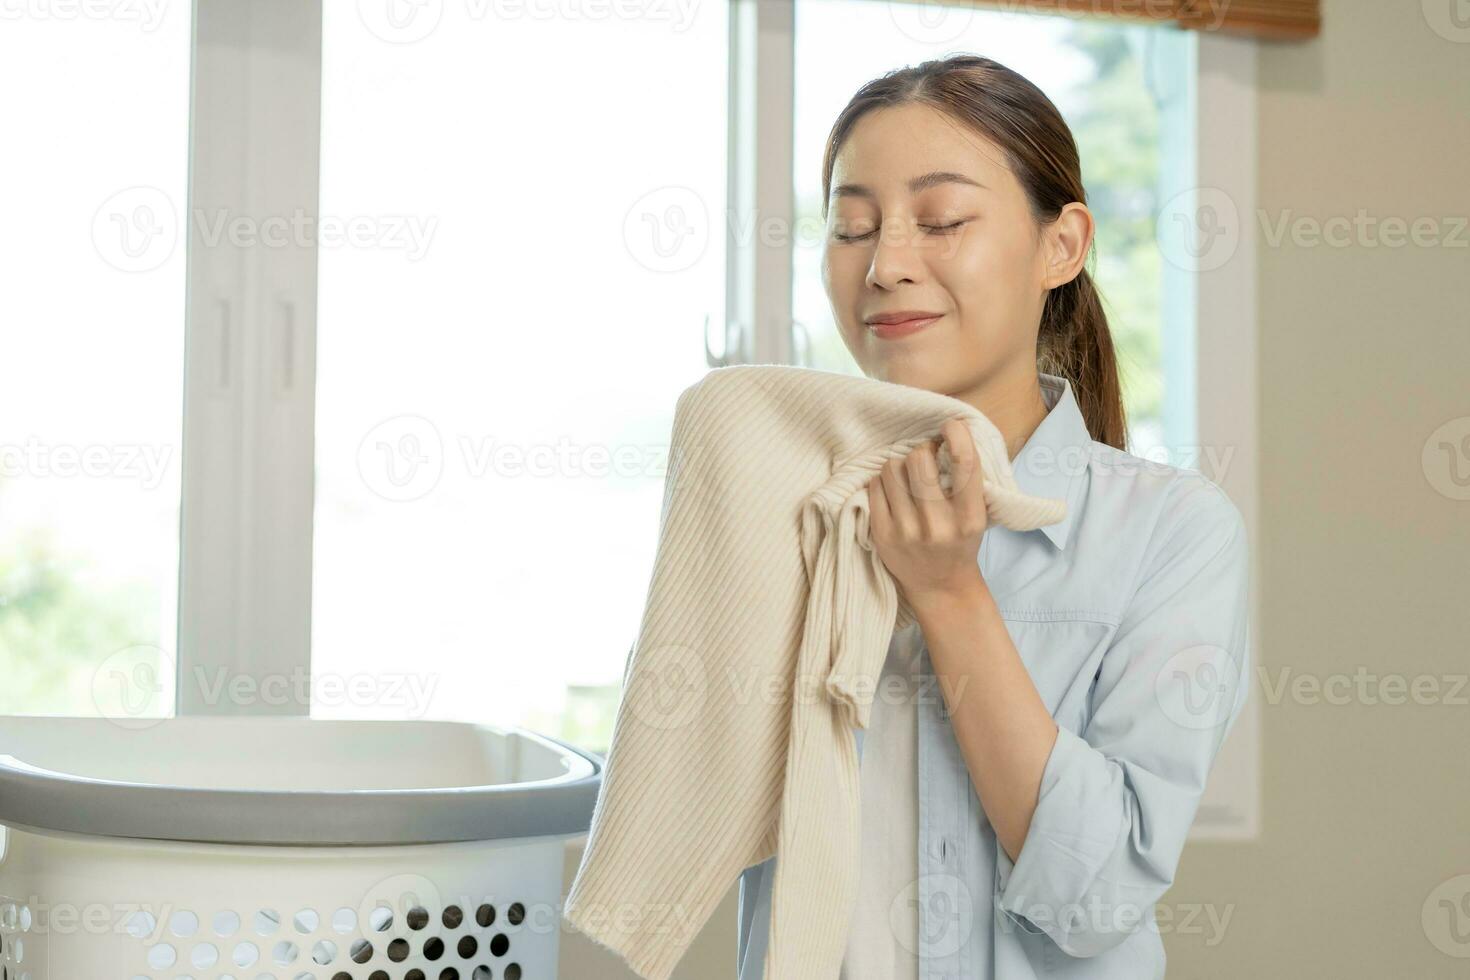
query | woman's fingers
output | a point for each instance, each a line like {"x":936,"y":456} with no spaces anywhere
{"x":906,"y":499}
{"x":900,"y":502}
{"x":921,"y":466}
{"x":967,"y":477}
{"x":880,"y":518}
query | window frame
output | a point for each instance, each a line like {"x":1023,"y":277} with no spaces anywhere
{"x":245,"y":536}
{"x":1226,"y":387}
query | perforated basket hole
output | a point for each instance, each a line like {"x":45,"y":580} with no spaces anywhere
{"x":380,"y":919}
{"x":285,"y":953}
{"x":362,"y":951}
{"x":267,"y":921}
{"x":15,"y":921}
{"x":344,"y":920}
{"x":161,"y":956}
{"x":324,"y":953}
{"x":183,"y":923}
{"x":140,"y":924}
{"x":462,"y":942}
{"x":245,"y":954}
{"x":225,"y":924}
{"x":204,"y":956}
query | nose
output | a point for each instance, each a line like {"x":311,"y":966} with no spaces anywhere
{"x":896,"y":256}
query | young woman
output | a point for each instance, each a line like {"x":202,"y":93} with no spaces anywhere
{"x":1040,"y":742}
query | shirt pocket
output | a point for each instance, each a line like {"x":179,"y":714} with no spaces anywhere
{"x":1062,"y":652}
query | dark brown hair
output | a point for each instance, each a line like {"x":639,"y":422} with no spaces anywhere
{"x":1073,"y":340}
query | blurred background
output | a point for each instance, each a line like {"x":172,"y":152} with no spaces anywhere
{"x":340,"y":341}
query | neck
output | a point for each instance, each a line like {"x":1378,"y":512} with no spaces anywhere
{"x":1014,"y":403}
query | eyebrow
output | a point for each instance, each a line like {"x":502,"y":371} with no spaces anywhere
{"x":922,"y":182}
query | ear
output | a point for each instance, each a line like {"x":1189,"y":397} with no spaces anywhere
{"x":1068,"y":240}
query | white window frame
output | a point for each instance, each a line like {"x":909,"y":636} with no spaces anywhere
{"x":250,"y":360}
{"x":762,"y":154}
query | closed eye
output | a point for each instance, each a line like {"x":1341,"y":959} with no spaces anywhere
{"x":929,"y":228}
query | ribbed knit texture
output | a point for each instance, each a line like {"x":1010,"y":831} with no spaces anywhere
{"x":767,"y":622}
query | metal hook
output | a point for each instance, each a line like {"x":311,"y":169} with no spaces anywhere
{"x":734,"y":344}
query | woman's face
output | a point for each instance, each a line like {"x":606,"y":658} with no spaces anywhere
{"x":926,"y":216}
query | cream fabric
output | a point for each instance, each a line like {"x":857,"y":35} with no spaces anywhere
{"x":883,"y":937}
{"x":764,"y":632}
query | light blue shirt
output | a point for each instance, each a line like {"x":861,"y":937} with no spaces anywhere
{"x":1131,"y":617}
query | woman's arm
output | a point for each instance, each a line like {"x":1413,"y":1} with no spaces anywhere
{"x":930,"y":542}
{"x":1000,"y":722}
{"x":1115,"y":801}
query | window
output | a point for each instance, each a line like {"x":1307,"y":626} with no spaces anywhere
{"x":415,"y":448}
{"x":93,"y":180}
{"x":499,"y":358}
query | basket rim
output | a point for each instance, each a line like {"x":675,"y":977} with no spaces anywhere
{"x":33,"y":796}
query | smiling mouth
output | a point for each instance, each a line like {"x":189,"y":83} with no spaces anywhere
{"x":902,"y":328}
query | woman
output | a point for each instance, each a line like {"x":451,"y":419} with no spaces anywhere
{"x":1026,"y":796}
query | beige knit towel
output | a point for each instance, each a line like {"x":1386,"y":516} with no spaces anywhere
{"x":765,"y":628}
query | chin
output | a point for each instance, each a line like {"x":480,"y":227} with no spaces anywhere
{"x":912,"y":371}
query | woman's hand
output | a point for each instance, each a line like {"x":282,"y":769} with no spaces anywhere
{"x":928,"y":541}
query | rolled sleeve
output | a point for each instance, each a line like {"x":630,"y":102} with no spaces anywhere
{"x":1116,"y":802}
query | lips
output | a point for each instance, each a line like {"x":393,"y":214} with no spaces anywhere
{"x":900,"y":316}
{"x":888,"y":326}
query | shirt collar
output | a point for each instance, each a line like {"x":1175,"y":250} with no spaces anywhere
{"x":1056,"y":454}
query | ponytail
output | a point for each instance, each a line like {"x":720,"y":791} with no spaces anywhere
{"x":1074,"y":342}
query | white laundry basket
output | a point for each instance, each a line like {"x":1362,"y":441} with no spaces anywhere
{"x":284,"y":848}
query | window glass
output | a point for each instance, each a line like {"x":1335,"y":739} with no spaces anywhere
{"x":93,"y":182}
